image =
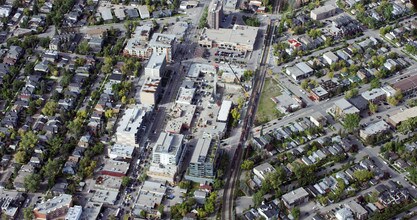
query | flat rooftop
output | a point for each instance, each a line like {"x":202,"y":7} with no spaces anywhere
{"x":242,"y":35}
{"x":116,"y":166}
{"x":404,"y":115}
{"x":376,"y":128}
{"x":224,"y":110}
{"x":406,"y":84}
{"x":156,"y":61}
{"x":168,"y":143}
{"x":201,"y":149}
{"x":131,"y":120}
{"x":91,"y":210}
{"x":57,"y":202}
{"x":105,"y":196}
{"x":295,"y":195}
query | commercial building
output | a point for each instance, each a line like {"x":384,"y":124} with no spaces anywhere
{"x":318,"y":119}
{"x":109,"y":183}
{"x":121,"y":152}
{"x":115,"y":168}
{"x":373,"y":130}
{"x":166,"y":156}
{"x":407,"y":86}
{"x":295,"y":73}
{"x":137,"y":45}
{"x":107,"y":197}
{"x":240,"y":38}
{"x":203,"y":162}
{"x":53,"y":208}
{"x":215,"y":14}
{"x":323,"y":12}
{"x":10,"y":201}
{"x":375,"y":96}
{"x":163,"y":44}
{"x":74,"y":213}
{"x":224,"y":111}
{"x":150,"y":91}
{"x":150,"y":196}
{"x":127,"y":132}
{"x":263,"y":170}
{"x":91,"y":210}
{"x":185,"y":95}
{"x":156,"y":65}
{"x":188,"y":4}
{"x":319,"y":93}
{"x":181,"y":118}
{"x":342,"y":107}
{"x":197,"y":69}
{"x":295,"y":197}
{"x":396,"y":119}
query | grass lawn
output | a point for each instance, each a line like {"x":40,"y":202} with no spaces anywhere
{"x":266,"y":109}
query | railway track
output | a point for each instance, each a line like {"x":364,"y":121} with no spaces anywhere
{"x":228,"y":195}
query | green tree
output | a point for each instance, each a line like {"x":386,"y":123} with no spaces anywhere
{"x":21,"y":157}
{"x":363,"y":175}
{"x":295,"y":212}
{"x":32,"y":182}
{"x":375,"y":83}
{"x":28,"y":213}
{"x":351,"y":122}
{"x":373,"y":108}
{"x":235,"y":116}
{"x":125,"y":181}
{"x":50,"y":108}
{"x":29,"y":140}
{"x":247,"y":165}
{"x":351,"y":93}
{"x":83,"y":48}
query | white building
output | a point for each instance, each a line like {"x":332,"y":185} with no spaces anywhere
{"x":263,"y":170}
{"x":74,"y":213}
{"x":156,"y":65}
{"x":5,"y":11}
{"x":224,"y":111}
{"x":240,"y":38}
{"x":185,"y":95}
{"x":144,"y":12}
{"x":121,"y":151}
{"x":150,"y":195}
{"x":166,"y":156}
{"x":129,"y":124}
{"x":163,"y":44}
{"x":150,"y":91}
{"x":330,"y":57}
{"x":138,"y":45}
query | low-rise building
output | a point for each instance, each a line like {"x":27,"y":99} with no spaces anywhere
{"x":319,"y":93}
{"x":359,"y":212}
{"x":263,"y":170}
{"x":239,"y":38}
{"x":374,"y":129}
{"x":150,"y":195}
{"x":318,"y":119}
{"x":323,"y":12}
{"x":342,"y":107}
{"x":401,"y":116}
{"x":144,"y":12}
{"x":407,"y":86}
{"x":375,"y":95}
{"x":53,"y":208}
{"x":295,"y":197}
{"x":270,"y":210}
{"x":91,"y":210}
{"x":107,"y":197}
{"x":121,"y":152}
{"x":74,"y":213}
{"x":115,"y":168}
{"x":109,"y":183}
{"x":330,"y":57}
{"x":224,"y":111}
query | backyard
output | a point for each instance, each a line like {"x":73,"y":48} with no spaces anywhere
{"x":267,"y":108}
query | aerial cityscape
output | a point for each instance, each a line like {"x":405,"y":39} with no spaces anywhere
{"x":208,"y":109}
